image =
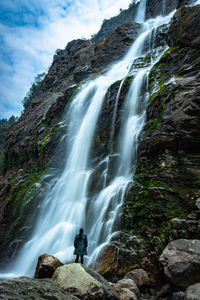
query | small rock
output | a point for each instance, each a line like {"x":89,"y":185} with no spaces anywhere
{"x":139,"y":276}
{"x":46,"y":266}
{"x":127,"y":284}
{"x":193,"y":292}
{"x":126,"y":294}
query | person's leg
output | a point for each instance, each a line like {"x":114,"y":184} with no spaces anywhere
{"x":77,"y":257}
{"x":82,"y":259}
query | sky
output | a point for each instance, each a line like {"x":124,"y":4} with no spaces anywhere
{"x":30,"y":33}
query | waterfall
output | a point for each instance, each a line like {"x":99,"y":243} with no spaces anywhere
{"x":141,"y":12}
{"x":67,"y":205}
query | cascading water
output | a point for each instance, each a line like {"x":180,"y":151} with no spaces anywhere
{"x":67,"y":205}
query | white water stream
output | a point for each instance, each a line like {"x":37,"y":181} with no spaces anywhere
{"x":67,"y":205}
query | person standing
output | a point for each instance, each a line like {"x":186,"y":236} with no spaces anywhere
{"x":80,"y":244}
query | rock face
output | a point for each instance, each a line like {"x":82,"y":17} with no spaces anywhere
{"x":83,"y":282}
{"x":46,"y":266}
{"x":108,"y":26}
{"x":167,"y":176}
{"x":181,"y":261}
{"x":28,"y":288}
{"x":185,"y":28}
{"x":160,"y":7}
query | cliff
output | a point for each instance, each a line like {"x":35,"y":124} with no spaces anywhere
{"x":167,"y":178}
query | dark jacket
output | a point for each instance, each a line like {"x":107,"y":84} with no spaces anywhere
{"x":80,"y":245}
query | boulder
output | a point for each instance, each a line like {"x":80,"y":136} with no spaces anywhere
{"x":139,"y":276}
{"x":126,"y":294}
{"x":24,"y":288}
{"x":181,"y":262}
{"x":185,"y":28}
{"x":193,"y":292}
{"x":83,"y":282}
{"x":121,"y":256}
{"x":46,"y":266}
{"x":126,"y":284}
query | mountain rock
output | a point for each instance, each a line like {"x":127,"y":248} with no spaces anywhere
{"x":108,"y":26}
{"x":185,"y":28}
{"x":157,"y":7}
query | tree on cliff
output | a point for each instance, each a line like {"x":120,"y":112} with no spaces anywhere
{"x":32,"y":93}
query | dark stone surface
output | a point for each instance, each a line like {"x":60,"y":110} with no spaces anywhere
{"x":185,"y":28}
{"x":181,"y":262}
{"x":24,"y":288}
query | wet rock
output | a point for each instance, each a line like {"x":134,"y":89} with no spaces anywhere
{"x":121,"y":256}
{"x":193,"y":292}
{"x":128,"y":284}
{"x":83,"y":282}
{"x":115,"y":46}
{"x":24,"y":288}
{"x":185,"y":28}
{"x":157,"y":7}
{"x":181,"y":262}
{"x":139,"y":276}
{"x":46,"y":266}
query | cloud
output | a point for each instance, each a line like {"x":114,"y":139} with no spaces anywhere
{"x":31,"y":31}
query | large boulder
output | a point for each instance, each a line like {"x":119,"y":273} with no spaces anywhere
{"x":83,"y":282}
{"x":122,"y":255}
{"x":46,"y":266}
{"x":24,"y":288}
{"x":181,"y":262}
{"x":185,"y":27}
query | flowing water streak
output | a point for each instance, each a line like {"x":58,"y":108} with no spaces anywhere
{"x":141,"y":12}
{"x":67,"y":205}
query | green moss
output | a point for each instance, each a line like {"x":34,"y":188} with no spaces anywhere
{"x":20,"y":198}
{"x":105,"y":42}
{"x":168,"y":51}
{"x":129,"y":79}
{"x":49,"y":135}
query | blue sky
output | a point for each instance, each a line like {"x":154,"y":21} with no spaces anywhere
{"x":31,"y":31}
